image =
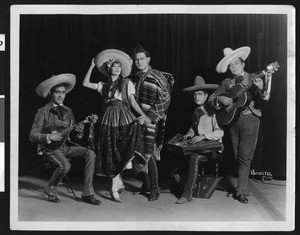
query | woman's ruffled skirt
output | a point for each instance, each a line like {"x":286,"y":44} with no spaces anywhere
{"x":120,"y":141}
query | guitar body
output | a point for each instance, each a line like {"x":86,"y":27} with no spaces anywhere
{"x":240,"y":97}
{"x":226,"y":115}
{"x":56,"y":129}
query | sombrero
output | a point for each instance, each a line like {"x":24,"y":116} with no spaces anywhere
{"x":111,"y":55}
{"x":229,"y":55}
{"x":66,"y":78}
{"x":199,"y":84}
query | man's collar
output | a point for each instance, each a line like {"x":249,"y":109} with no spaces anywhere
{"x":146,"y":70}
{"x":55,"y":105}
{"x":242,"y":74}
{"x":142,"y":73}
{"x":202,"y":108}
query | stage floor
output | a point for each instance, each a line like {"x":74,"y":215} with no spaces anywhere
{"x":267,"y":202}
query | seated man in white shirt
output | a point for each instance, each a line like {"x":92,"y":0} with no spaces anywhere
{"x":204,"y":127}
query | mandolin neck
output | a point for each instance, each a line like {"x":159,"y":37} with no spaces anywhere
{"x":68,"y":129}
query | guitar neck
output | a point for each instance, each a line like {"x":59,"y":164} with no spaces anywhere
{"x":244,"y":89}
{"x":248,"y":86}
{"x":271,"y":68}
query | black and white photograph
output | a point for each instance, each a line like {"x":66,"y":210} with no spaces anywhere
{"x":152,"y":117}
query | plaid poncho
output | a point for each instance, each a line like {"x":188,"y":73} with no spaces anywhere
{"x":153,"y":93}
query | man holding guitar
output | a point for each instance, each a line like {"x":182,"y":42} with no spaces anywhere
{"x":237,"y":102}
{"x":50,"y":123}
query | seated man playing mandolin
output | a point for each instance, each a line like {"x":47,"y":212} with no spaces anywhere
{"x":50,"y":130}
{"x":237,"y":102}
{"x":204,"y":127}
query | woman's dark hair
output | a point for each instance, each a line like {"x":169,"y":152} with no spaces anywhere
{"x":140,"y":49}
{"x":119,"y":82}
{"x":109,"y":66}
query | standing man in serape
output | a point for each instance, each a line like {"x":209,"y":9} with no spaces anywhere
{"x":153,"y":93}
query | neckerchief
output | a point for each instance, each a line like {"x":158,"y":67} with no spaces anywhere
{"x":60,"y":111}
{"x":239,"y":79}
{"x":196,"y":118}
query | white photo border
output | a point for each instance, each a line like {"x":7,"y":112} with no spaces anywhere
{"x":17,"y":10}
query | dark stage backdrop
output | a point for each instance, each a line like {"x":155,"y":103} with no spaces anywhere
{"x":185,"y":45}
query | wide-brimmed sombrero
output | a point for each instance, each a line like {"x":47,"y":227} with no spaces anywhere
{"x":229,"y":55}
{"x":66,"y":78}
{"x":111,"y":55}
{"x":199,"y":84}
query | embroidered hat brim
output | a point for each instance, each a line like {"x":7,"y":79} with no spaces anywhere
{"x":229,"y":55}
{"x":113,"y":55}
{"x":199,"y":84}
{"x":66,"y":78}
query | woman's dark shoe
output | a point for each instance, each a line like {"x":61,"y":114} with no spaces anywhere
{"x":52,"y":198}
{"x":91,"y":200}
{"x":115,"y":196}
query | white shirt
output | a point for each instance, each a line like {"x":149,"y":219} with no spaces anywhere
{"x":208,"y":126}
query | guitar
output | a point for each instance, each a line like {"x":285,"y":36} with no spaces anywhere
{"x":64,"y":132}
{"x":238,"y":94}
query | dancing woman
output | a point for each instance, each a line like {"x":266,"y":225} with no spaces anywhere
{"x":120,"y":141}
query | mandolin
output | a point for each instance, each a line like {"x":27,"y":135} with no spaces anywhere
{"x":238,"y":94}
{"x":64,"y":132}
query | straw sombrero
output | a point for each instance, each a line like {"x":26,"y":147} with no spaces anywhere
{"x":199,"y":84}
{"x":111,"y":55}
{"x":229,"y":55}
{"x":66,"y":78}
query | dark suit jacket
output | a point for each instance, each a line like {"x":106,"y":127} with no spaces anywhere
{"x":47,"y":116}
